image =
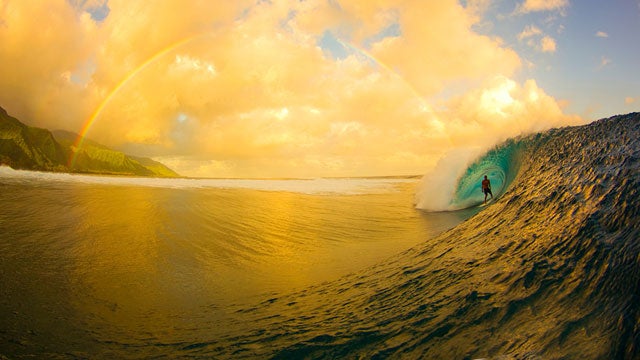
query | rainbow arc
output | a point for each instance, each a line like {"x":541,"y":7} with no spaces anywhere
{"x":78,"y":143}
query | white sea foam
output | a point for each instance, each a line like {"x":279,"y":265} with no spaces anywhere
{"x":437,"y":187}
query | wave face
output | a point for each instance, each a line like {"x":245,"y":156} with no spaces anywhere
{"x":551,"y":270}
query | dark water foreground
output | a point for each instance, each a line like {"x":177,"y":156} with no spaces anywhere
{"x":550,"y":270}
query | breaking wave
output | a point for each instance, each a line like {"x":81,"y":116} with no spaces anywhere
{"x":455,"y":183}
{"x":551,"y":269}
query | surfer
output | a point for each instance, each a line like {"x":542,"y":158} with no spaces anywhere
{"x":486,"y":188}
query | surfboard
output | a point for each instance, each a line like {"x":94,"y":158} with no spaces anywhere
{"x":489,"y":201}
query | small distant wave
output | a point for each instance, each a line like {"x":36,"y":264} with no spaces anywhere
{"x":319,"y":186}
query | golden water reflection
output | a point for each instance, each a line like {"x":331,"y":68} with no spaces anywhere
{"x":155,"y":260}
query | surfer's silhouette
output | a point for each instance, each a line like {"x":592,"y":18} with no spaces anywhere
{"x":486,"y":188}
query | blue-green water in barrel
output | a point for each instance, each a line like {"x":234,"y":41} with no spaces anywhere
{"x":500,"y":165}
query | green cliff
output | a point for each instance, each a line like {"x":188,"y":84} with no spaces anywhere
{"x":30,"y":148}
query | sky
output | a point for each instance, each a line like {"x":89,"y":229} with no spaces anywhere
{"x":315,"y":88}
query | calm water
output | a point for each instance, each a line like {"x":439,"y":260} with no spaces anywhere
{"x":86,"y":259}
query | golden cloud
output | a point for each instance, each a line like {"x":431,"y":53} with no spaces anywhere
{"x":244,"y":89}
{"x":542,"y":5}
{"x":548,"y":44}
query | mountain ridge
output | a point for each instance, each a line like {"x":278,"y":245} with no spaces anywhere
{"x":31,"y":148}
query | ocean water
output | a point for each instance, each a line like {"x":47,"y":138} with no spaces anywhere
{"x":93,"y":265}
{"x":101,"y":267}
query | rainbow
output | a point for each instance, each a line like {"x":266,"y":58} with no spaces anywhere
{"x":77,"y":145}
{"x":424,"y":106}
{"x":373,"y":59}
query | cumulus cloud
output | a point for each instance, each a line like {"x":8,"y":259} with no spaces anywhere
{"x":500,"y":109}
{"x":529,"y":31}
{"x":541,"y":5}
{"x":604,"y":61}
{"x":548,"y":44}
{"x":39,"y":59}
{"x":536,"y":39}
{"x":248,"y":89}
